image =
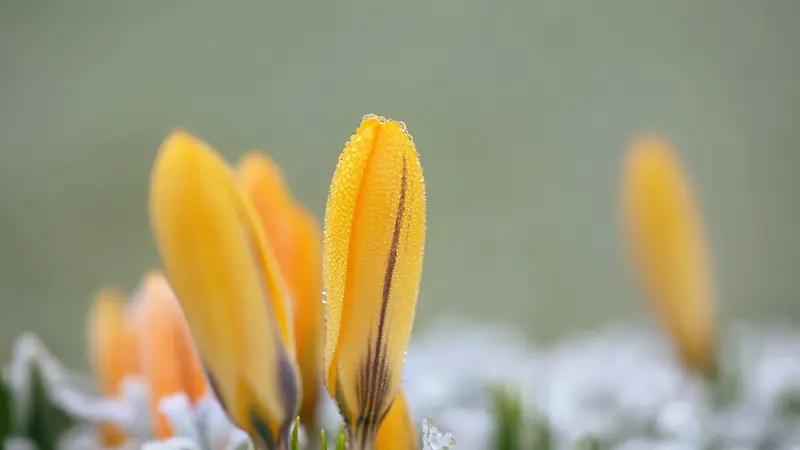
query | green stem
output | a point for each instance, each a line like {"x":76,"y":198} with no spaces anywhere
{"x":296,"y":434}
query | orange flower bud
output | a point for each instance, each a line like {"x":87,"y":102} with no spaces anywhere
{"x":169,"y":360}
{"x":297,"y":241}
{"x":107,"y":336}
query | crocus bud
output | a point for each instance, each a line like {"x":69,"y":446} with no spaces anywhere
{"x":169,"y":360}
{"x":132,"y":352}
{"x":372,"y":263}
{"x":107,"y":340}
{"x":669,"y":250}
{"x":297,"y":240}
{"x":223,"y":271}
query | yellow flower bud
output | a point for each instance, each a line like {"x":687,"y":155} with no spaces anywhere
{"x":222,"y":269}
{"x":669,"y":249}
{"x":297,"y":241}
{"x":372,"y":263}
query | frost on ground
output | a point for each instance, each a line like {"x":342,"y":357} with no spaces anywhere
{"x":620,"y":386}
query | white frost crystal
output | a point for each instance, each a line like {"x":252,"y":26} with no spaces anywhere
{"x":176,"y":443}
{"x":435,"y":439}
{"x":623,"y":386}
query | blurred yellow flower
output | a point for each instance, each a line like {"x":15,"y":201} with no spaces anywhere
{"x":372,"y":263}
{"x":147,"y":338}
{"x":397,"y":430}
{"x":107,"y":342}
{"x":669,"y":249}
{"x":222,"y":268}
{"x":170,"y":363}
{"x":132,"y":354}
{"x":297,"y":240}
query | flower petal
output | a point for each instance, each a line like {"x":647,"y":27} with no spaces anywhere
{"x":397,"y":430}
{"x":297,"y":241}
{"x":305,"y":278}
{"x":264,"y":183}
{"x":372,"y":263}
{"x":107,"y":335}
{"x":170,"y":363}
{"x":670,"y":250}
{"x":222,"y":269}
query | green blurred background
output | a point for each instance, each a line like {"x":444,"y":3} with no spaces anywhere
{"x":521,"y":112}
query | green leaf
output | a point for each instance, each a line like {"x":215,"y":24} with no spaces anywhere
{"x":323,"y":443}
{"x":715,"y":443}
{"x":788,"y":404}
{"x":542,"y":435}
{"x":508,"y":419}
{"x":726,"y":386}
{"x":726,"y":389}
{"x":588,"y":443}
{"x":6,"y":412}
{"x":45,"y":421}
{"x":296,"y":434}
{"x":341,"y":442}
